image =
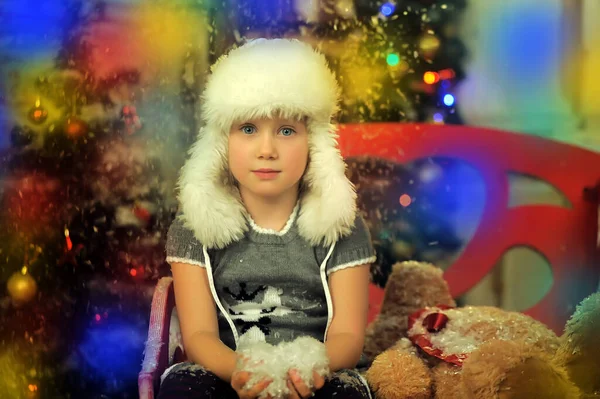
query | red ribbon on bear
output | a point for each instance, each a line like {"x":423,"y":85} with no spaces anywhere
{"x":433,"y":323}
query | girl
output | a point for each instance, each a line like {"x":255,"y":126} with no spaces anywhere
{"x":268,"y":245}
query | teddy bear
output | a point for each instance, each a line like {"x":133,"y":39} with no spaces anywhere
{"x":422,"y":346}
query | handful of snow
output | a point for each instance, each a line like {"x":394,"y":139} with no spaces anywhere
{"x":266,"y":361}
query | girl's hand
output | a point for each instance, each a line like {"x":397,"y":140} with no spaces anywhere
{"x":299,"y":389}
{"x":240,"y":378}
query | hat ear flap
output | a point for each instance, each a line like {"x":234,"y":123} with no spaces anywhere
{"x":328,"y":206}
{"x":211,"y":207}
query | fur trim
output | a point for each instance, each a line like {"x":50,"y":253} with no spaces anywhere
{"x":328,"y":206}
{"x":261,"y":79}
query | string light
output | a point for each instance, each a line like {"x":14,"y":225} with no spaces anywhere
{"x":431,"y":77}
{"x":438,"y":118}
{"x":393,"y":59}
{"x":68,"y":240}
{"x":388,"y":9}
{"x":405,"y":200}
{"x":449,"y":100}
{"x":446,"y":74}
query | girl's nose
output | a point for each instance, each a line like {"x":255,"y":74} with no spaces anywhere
{"x":267,"y":148}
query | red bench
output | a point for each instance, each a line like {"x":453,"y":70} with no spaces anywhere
{"x":566,"y":237}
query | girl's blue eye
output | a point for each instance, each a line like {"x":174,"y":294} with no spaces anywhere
{"x":248,"y":129}
{"x":286,"y":131}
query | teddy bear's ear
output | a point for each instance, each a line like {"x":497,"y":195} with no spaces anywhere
{"x":415,"y":285}
{"x":579,"y":352}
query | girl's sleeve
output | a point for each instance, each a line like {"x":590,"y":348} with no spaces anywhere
{"x":353,"y":250}
{"x":182,"y":245}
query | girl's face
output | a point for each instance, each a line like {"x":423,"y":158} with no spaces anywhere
{"x":268,"y":156}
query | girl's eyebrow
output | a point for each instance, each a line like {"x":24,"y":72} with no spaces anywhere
{"x":290,"y":122}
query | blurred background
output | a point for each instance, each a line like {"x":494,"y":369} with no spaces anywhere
{"x":98,"y":106}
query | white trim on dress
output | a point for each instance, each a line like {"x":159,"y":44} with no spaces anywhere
{"x":323,"y":271}
{"x":175,"y":259}
{"x":359,"y":262}
{"x":213,"y":291}
{"x":286,"y":228}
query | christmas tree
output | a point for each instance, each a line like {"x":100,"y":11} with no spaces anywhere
{"x":88,"y":189}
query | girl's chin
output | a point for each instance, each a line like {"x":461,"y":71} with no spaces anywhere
{"x":267,"y":189}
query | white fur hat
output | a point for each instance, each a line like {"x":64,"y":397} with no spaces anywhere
{"x":259,"y":79}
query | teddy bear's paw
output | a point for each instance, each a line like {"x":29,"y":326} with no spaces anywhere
{"x":398,"y":374}
{"x":513,"y":370}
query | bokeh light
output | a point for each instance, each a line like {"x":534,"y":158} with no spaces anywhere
{"x":35,"y":27}
{"x":449,"y":100}
{"x":387,"y":9}
{"x":525,"y":45}
{"x":591,"y":83}
{"x":431,"y":77}
{"x":113,"y":349}
{"x":405,"y":200}
{"x":393,"y":59}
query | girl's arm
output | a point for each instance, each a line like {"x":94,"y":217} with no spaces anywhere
{"x":350,"y":296}
{"x":198,"y":320}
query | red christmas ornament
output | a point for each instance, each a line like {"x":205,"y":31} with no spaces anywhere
{"x":131,"y":119}
{"x":75,"y":127}
{"x":142,"y":213}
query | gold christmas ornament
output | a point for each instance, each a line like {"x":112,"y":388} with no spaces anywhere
{"x":38,"y":114}
{"x":21,"y":287}
{"x":429,"y":45}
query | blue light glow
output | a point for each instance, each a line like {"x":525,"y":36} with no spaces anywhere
{"x":33,"y":27}
{"x":387,"y":9}
{"x":449,"y":100}
{"x":113,"y":350}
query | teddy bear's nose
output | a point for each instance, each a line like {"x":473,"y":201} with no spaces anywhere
{"x":434,"y":322}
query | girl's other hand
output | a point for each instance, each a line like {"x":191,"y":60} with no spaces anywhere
{"x":299,"y":389}
{"x":239,"y":380}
